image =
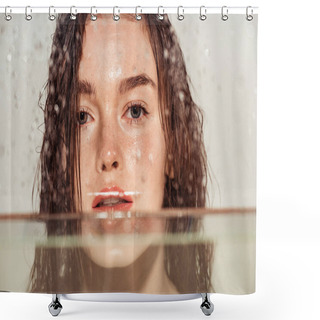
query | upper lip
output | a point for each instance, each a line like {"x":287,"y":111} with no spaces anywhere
{"x":120,"y":194}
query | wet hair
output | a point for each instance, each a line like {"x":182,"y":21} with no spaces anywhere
{"x":186,"y":163}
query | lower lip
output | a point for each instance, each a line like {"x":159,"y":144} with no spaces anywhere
{"x":126,"y":206}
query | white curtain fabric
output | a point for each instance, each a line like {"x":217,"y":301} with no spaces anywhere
{"x":221,"y":60}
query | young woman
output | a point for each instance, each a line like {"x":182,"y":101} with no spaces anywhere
{"x":122,"y":133}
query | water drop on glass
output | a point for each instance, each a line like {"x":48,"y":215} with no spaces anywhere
{"x":56,"y":108}
{"x":165,"y":53}
{"x":181,"y":96}
{"x":138,"y":154}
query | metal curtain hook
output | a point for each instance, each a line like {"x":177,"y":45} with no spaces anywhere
{"x":160,"y":16}
{"x":138,"y":17}
{"x":52,"y":16}
{"x":224,"y":13}
{"x":116,"y":17}
{"x":93,"y":16}
{"x":8,"y":17}
{"x":28,"y":15}
{"x":73,"y":15}
{"x":203,"y":16}
{"x":249,"y":17}
{"x":180,"y":14}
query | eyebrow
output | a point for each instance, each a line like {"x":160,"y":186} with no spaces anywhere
{"x":127,"y":84}
{"x":136,"y":81}
{"x":85,"y":87}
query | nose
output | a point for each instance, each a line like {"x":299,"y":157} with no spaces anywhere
{"x":109,"y":162}
{"x":109,"y":154}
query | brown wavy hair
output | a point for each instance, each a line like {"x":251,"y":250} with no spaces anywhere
{"x":59,"y":166}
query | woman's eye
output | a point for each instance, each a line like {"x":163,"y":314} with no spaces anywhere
{"x":136,"y":112}
{"x":83,"y":117}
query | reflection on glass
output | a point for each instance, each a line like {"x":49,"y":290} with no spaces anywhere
{"x":122,"y":254}
{"x":129,"y":252}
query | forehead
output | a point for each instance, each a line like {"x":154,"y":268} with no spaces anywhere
{"x":112,"y":48}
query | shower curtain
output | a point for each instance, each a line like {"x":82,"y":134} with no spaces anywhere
{"x":128,"y":153}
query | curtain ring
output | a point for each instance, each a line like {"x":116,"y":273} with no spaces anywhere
{"x":52,"y":16}
{"x":8,"y":17}
{"x":224,"y":15}
{"x":28,"y":15}
{"x":203,"y":16}
{"x":93,"y":16}
{"x":116,"y":17}
{"x":160,"y":16}
{"x":73,"y":15}
{"x":138,"y":17}
{"x":249,"y":17}
{"x":180,"y":15}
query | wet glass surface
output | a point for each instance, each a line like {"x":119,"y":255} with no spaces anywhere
{"x":125,"y":126}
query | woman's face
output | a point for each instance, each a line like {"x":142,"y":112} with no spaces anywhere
{"x":122,"y":146}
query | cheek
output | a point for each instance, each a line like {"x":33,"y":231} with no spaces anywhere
{"x":148,"y":158}
{"x":87,"y":150}
{"x":155,"y":157}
